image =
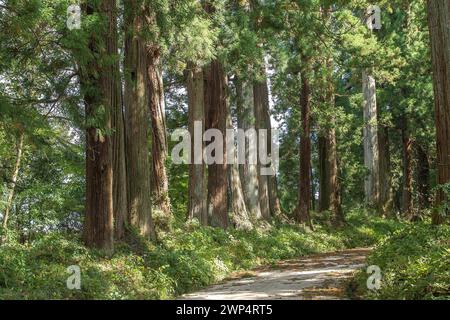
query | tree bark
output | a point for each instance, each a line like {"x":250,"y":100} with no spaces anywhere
{"x":331,"y":165}
{"x":313,"y":191}
{"x":324,"y":171}
{"x":274,"y":202}
{"x":14,"y":177}
{"x":304,"y":197}
{"x":329,"y":193}
{"x":197,"y":187}
{"x":260,"y":99}
{"x":335,"y":195}
{"x":438,"y":21}
{"x":407,"y":142}
{"x":238,"y":216}
{"x":137,"y":124}
{"x":249,"y":171}
{"x":120,"y":191}
{"x":386,"y":197}
{"x":423,"y":177}
{"x":120,"y":187}
{"x":216,"y":118}
{"x":159,"y":179}
{"x":371,"y":159}
{"x":99,"y":83}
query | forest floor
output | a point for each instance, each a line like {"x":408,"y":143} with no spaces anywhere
{"x":314,"y":277}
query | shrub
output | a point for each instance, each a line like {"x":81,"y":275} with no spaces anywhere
{"x":415,"y":264}
{"x":188,"y":258}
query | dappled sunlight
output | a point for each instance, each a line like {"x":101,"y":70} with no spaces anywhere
{"x":316,"y":277}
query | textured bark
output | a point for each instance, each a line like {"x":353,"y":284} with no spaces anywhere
{"x":137,"y":124}
{"x":120,"y":192}
{"x":274,"y":201}
{"x":423,"y":178}
{"x":159,"y":179}
{"x":197,"y":187}
{"x":335,"y":195}
{"x":249,"y":172}
{"x":304,"y":197}
{"x":330,"y":194}
{"x":333,"y":160}
{"x":324,"y":172}
{"x":327,"y":156}
{"x":371,"y":160}
{"x":438,"y":21}
{"x":100,"y":104}
{"x":261,"y":102}
{"x":313,"y":191}
{"x":14,"y":177}
{"x":120,"y":187}
{"x":268,"y":195}
{"x":407,"y":200}
{"x":238,"y":216}
{"x":216,"y":118}
{"x":386,"y":197}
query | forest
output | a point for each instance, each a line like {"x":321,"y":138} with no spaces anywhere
{"x":171,"y":149}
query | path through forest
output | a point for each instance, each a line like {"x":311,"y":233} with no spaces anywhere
{"x":315,"y":277}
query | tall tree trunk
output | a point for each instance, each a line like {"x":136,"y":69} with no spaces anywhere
{"x":238,"y":215}
{"x":407,"y":142}
{"x":120,"y":191}
{"x":386,"y":200}
{"x":335,"y":195}
{"x":438,"y":21}
{"x":324,"y":172}
{"x":14,"y":177}
{"x":313,"y":191}
{"x":137,"y":124}
{"x":327,"y":149}
{"x":261,"y":105}
{"x":120,"y":187}
{"x":197,"y":187}
{"x":159,"y":179}
{"x":330,"y":193}
{"x":249,"y":171}
{"x":304,"y":197}
{"x":423,"y":177}
{"x":330,"y":189}
{"x":274,"y":201}
{"x":267,"y":192}
{"x":99,"y":83}
{"x":332,"y":156}
{"x":216,"y":118}
{"x":371,"y":160}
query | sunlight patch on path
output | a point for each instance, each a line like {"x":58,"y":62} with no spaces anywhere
{"x":314,"y":277}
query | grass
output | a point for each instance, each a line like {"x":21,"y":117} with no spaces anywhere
{"x":189,"y":258}
{"x":415,"y":265}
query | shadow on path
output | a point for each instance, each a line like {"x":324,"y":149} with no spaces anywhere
{"x":315,"y":277}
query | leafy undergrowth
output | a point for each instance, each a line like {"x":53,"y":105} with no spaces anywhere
{"x":415,"y":265}
{"x":188,"y":258}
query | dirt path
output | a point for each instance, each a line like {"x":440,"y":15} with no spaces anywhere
{"x":315,"y":277}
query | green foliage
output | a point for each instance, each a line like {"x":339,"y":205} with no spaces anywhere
{"x":189,"y":258}
{"x":414,"y":262}
{"x":42,"y":63}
